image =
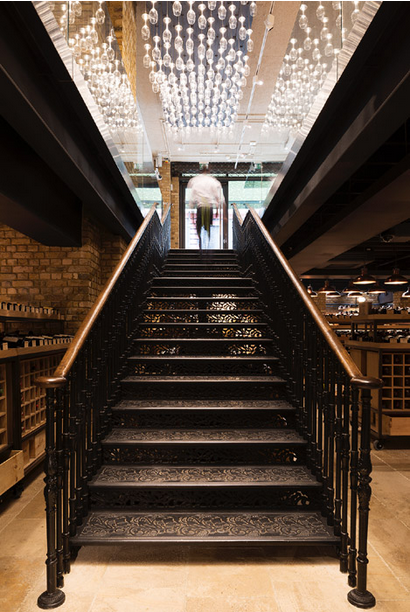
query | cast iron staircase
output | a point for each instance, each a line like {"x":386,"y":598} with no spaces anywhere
{"x":203,"y":445}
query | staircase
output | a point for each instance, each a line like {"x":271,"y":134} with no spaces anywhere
{"x":203,"y":445}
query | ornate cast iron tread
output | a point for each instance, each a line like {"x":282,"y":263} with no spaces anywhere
{"x":104,"y":527}
{"x":203,"y":379}
{"x":207,"y":436}
{"x":190,"y":311}
{"x":269,"y":405}
{"x":208,"y":324}
{"x":222,"y":358}
{"x":203,"y":476}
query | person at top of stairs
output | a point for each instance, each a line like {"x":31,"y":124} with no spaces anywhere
{"x":206,"y":193}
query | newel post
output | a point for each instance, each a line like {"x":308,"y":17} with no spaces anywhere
{"x":52,"y":597}
{"x":360,"y":596}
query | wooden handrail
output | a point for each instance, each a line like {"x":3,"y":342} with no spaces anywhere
{"x":356,"y":376}
{"x":59,"y":378}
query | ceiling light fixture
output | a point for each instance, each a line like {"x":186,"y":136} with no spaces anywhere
{"x":376,"y":289}
{"x":308,"y":59}
{"x":364,"y":278}
{"x":200,"y":77}
{"x":396,"y":278}
{"x":327,"y":288}
{"x":311,"y":291}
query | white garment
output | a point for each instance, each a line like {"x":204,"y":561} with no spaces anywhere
{"x":205,"y":191}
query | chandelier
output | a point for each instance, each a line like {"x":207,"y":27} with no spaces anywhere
{"x":95,"y":50}
{"x":317,"y":38}
{"x":197,"y":55}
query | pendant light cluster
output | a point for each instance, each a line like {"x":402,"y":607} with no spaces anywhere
{"x":364,"y":282}
{"x":197,"y":56}
{"x":100,"y":63}
{"x":316,"y":41}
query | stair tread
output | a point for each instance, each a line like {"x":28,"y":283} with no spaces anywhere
{"x":273,"y":405}
{"x":204,"y":324}
{"x":211,"y":358}
{"x":203,"y":310}
{"x":130,"y":436}
{"x":103,"y":527}
{"x":293,"y":476}
{"x":198,"y":339}
{"x":202,"y":379}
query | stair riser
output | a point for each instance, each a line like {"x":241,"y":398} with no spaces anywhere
{"x":209,"y":368}
{"x":202,"y":274}
{"x":199,"y":347}
{"x":206,"y":390}
{"x":207,"y":419}
{"x":203,"y":304}
{"x":203,"y":454}
{"x":215,"y":292}
{"x":205,"y":498}
{"x":163,"y":281}
{"x":249,"y":331}
{"x":202,"y":317}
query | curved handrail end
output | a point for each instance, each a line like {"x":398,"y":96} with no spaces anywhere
{"x":50,"y":382}
{"x":366,"y":382}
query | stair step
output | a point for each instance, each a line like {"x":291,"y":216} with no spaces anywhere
{"x":278,"y":437}
{"x":214,"y":291}
{"x":106,"y":527}
{"x":210,"y":380}
{"x":203,"y":346}
{"x":289,"y":476}
{"x":203,"y":414}
{"x":215,"y":304}
{"x":202,"y":316}
{"x":172,"y":404}
{"x":251,"y":331}
{"x":202,"y":358}
{"x":193,"y":282}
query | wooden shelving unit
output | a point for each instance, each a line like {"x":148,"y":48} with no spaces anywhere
{"x":390,"y":415}
{"x":3,"y":408}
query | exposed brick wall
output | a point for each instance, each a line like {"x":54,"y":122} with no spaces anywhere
{"x":65,"y":278}
{"x":175,"y":213}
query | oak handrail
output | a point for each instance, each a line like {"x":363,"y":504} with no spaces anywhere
{"x":356,"y":376}
{"x":59,"y":377}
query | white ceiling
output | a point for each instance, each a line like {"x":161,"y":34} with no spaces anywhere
{"x":211,"y":146}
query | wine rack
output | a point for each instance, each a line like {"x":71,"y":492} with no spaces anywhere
{"x":33,"y":399}
{"x":3,"y":407}
{"x":396,"y":381}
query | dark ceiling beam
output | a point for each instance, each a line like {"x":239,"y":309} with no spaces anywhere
{"x":366,"y":106}
{"x":42,"y":104}
{"x":386,"y":208}
{"x":33,"y":199}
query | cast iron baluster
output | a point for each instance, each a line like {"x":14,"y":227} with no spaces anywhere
{"x":353,"y":485}
{"x":88,"y":400}
{"x":319,"y":446}
{"x":345,"y":475}
{"x":73,"y":458}
{"x":331,"y":439}
{"x":308,"y":392}
{"x":52,"y":597}
{"x":314,"y":415}
{"x":325,"y":471}
{"x":338,"y":443}
{"x":66,"y":478}
{"x":59,"y":408}
{"x":360,"y":596}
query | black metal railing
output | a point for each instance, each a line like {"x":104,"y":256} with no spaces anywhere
{"x":83,"y":390}
{"x":331,"y":395}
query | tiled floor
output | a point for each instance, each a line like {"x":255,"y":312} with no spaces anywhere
{"x":184,"y":579}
